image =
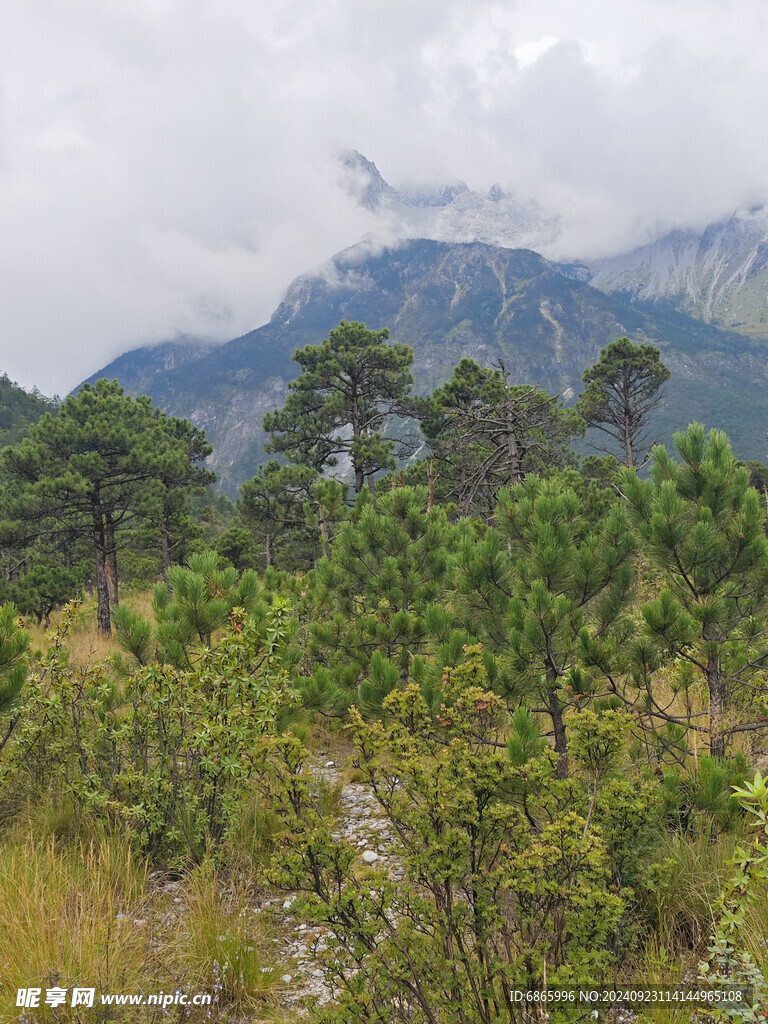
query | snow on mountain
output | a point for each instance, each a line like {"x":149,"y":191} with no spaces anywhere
{"x":719,"y":275}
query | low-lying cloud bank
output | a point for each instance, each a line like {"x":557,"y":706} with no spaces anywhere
{"x":169,"y":166}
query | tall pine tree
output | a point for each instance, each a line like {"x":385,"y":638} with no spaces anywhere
{"x":622,"y":390}
{"x":704,"y":528}
{"x":487,"y":433}
{"x":339,"y":403}
{"x":93,"y":468}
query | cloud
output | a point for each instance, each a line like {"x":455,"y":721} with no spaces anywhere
{"x":169,"y":165}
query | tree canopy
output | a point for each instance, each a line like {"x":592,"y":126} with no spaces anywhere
{"x":103,"y":460}
{"x":339,"y":403}
{"x":488,"y":433}
{"x":622,"y":389}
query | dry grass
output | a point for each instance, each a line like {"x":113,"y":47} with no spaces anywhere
{"x":77,"y":908}
{"x":86,"y":645}
{"x":696,"y":869}
{"x":73,"y":913}
{"x":225,"y":936}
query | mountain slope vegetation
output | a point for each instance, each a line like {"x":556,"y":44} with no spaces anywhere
{"x":19,"y":409}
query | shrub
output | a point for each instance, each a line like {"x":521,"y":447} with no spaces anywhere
{"x":496,"y":894}
{"x":170,"y":756}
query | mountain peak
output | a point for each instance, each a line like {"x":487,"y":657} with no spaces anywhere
{"x":363,"y":180}
{"x":447,"y":211}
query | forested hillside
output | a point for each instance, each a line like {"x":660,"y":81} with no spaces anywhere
{"x":473,"y":741}
{"x":19,"y":409}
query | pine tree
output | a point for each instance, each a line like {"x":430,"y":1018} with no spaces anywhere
{"x":103,"y":461}
{"x":487,"y":433}
{"x":202,"y":598}
{"x":326,"y":510}
{"x":388,"y":563}
{"x":44,"y":587}
{"x":14,"y":665}
{"x":338,"y":405}
{"x":704,"y":527}
{"x":540,"y":585}
{"x":622,"y":390}
{"x":178,"y":455}
{"x":271,"y":504}
{"x":237,"y":545}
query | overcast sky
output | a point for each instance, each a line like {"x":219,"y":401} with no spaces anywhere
{"x":169,"y":165}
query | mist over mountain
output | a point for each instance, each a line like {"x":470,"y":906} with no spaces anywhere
{"x":718,"y":274}
{"x":447,"y":211}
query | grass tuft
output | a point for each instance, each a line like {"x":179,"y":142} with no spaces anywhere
{"x":226,"y":940}
{"x":72,"y":915}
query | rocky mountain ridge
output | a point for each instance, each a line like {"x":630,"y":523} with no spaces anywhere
{"x":719,"y":274}
{"x":447,"y":211}
{"x":448,"y":301}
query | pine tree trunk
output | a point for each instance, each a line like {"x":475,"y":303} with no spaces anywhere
{"x":268,"y":550}
{"x":165,"y":548}
{"x":464,"y":504}
{"x":513,"y":450}
{"x":628,"y":442}
{"x":359,"y":476}
{"x":431,"y":483}
{"x":111,"y":565}
{"x":324,"y":538}
{"x":717,"y":699}
{"x":100,"y":554}
{"x":558,"y":724}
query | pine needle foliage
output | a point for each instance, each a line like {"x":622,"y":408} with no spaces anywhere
{"x":704,"y":527}
{"x":14,"y":668}
{"x":542,"y":587}
{"x":201,"y":598}
{"x":388,"y":564}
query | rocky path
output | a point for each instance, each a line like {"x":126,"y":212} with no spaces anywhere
{"x":359,"y":823}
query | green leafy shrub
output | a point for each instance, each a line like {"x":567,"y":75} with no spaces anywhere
{"x":490,"y":893}
{"x":169,"y":756}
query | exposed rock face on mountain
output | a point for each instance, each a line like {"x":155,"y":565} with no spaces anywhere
{"x":449,"y":301}
{"x":720,"y":275}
